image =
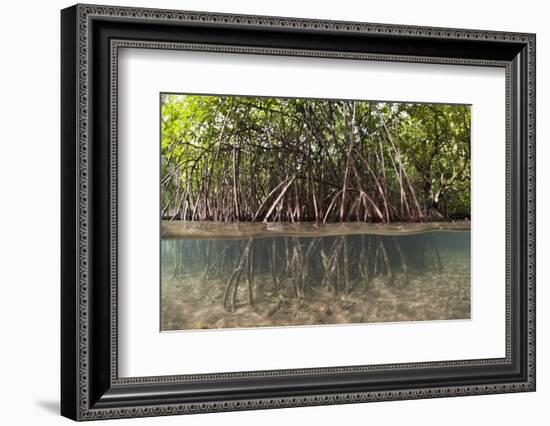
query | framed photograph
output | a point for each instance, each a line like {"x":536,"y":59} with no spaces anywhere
{"x":263,"y":212}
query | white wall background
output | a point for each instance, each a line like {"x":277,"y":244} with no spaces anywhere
{"x":29,"y":212}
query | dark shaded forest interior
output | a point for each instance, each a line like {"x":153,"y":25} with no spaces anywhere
{"x":236,"y":158}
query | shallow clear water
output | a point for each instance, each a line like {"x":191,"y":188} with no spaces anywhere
{"x":309,"y":280}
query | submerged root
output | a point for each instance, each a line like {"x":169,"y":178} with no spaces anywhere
{"x":363,"y":265}
{"x":429,"y":239}
{"x":402,"y":260}
{"x":330,"y":266}
{"x":386,"y":261}
{"x":230,"y":295}
{"x":436,"y":250}
{"x":273,"y":267}
{"x":291,"y":267}
{"x":346,"y":266}
{"x":250,"y":277}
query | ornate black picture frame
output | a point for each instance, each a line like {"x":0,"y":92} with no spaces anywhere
{"x":91,"y":388}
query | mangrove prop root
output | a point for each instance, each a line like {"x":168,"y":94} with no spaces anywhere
{"x":273,"y":266}
{"x":230,"y":295}
{"x":175,"y":263}
{"x":422,"y":261}
{"x":287,"y":255}
{"x":207,"y":260}
{"x":436,"y":251}
{"x":428,"y":240}
{"x":401,"y":256}
{"x":346,"y":266}
{"x":330,"y":265}
{"x":240,"y":167}
{"x":364,"y":264}
{"x":386,"y":260}
{"x":293,"y":267}
{"x":250,"y":277}
{"x":326,"y":270}
{"x":298,"y":266}
{"x":306,"y":265}
{"x":375,"y":259}
{"x":220,"y":260}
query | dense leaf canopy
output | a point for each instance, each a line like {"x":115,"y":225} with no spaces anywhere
{"x":236,"y":158}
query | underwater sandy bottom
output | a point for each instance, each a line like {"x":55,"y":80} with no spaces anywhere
{"x":193,"y":302}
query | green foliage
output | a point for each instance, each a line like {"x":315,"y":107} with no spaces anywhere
{"x":233,"y":158}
